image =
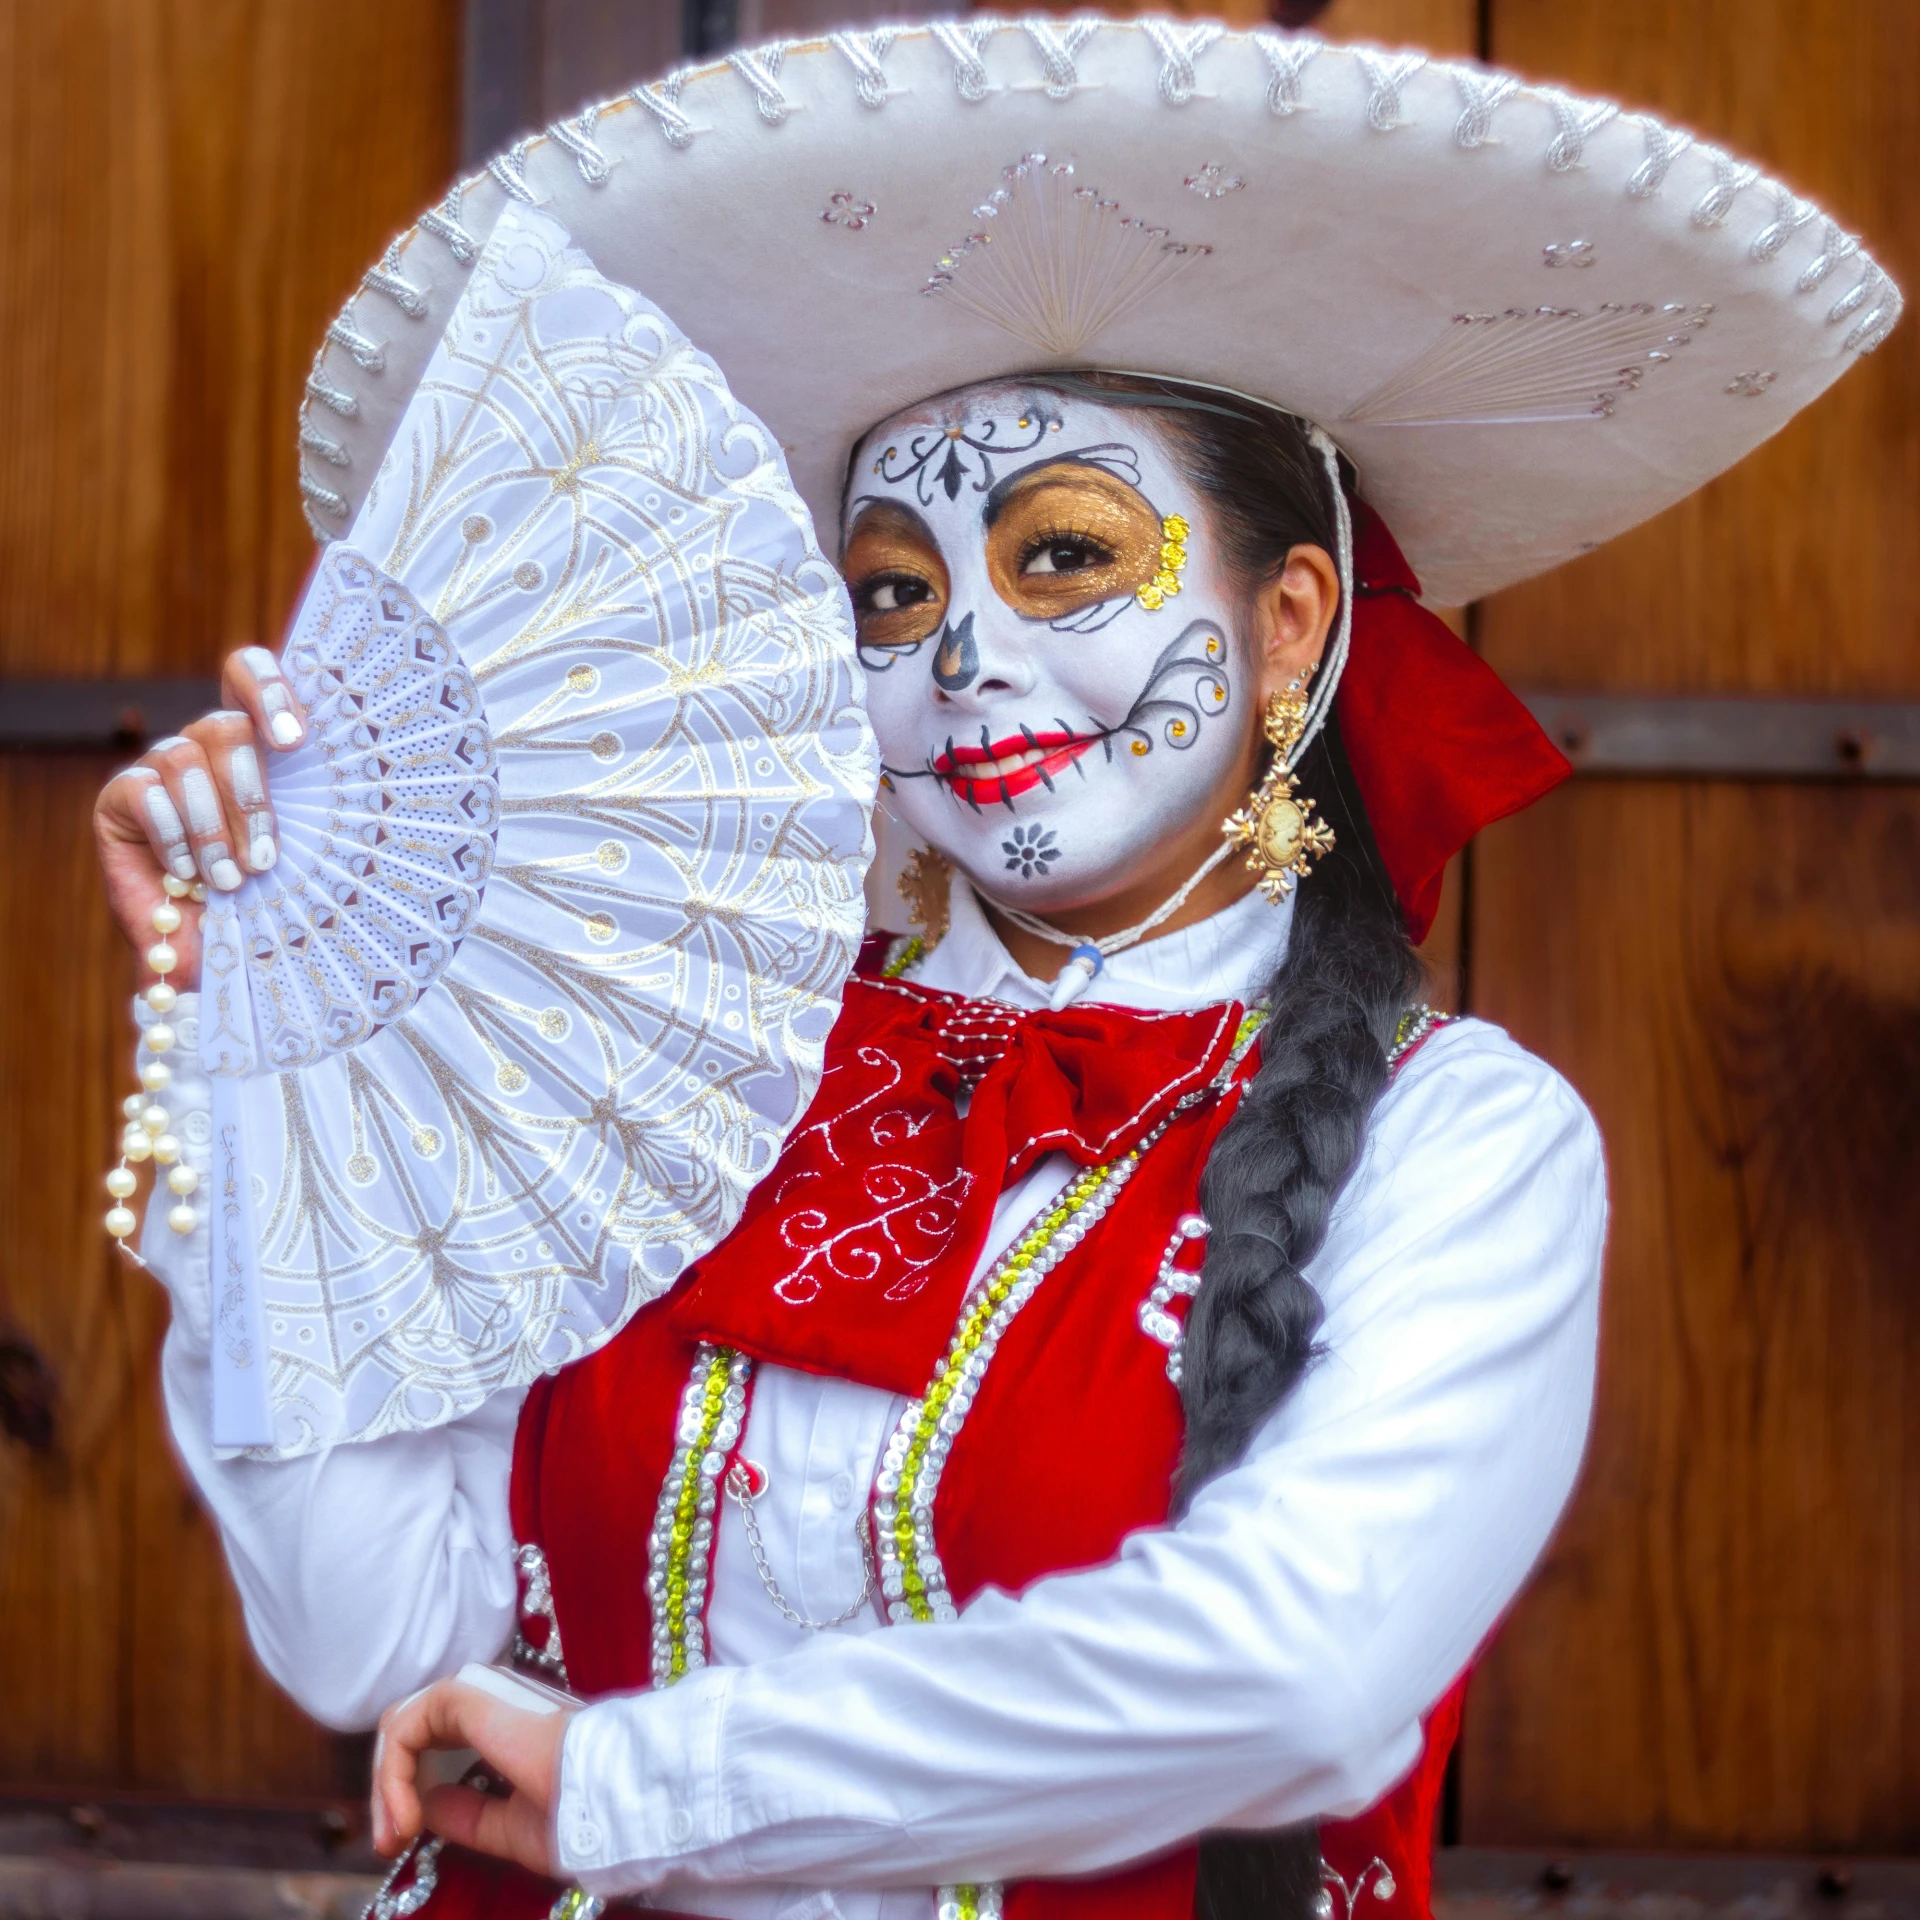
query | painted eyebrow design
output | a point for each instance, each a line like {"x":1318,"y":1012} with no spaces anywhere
{"x":1126,"y":468}
{"x":881,"y":503}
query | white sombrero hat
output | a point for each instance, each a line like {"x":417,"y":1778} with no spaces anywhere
{"x":1531,"y":319}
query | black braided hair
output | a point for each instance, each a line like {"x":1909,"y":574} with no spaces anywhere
{"x":1334,"y":1006}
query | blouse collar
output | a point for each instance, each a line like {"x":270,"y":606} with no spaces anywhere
{"x":1226,"y":957}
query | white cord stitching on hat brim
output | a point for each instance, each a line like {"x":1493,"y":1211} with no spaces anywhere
{"x":1874,"y":297}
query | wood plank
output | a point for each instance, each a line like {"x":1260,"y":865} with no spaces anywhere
{"x":1449,"y":27}
{"x":64,"y":1565}
{"x":1723,"y":1648}
{"x":122,"y":1660}
{"x":1791,"y":573}
{"x":189,"y":187}
{"x":1440,"y":26}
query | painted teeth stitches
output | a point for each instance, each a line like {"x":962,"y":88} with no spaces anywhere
{"x":680,"y":1548}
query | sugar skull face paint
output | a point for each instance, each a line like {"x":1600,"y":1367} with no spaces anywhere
{"x":1055,"y":676}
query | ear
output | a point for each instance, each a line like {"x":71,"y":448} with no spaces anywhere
{"x":1292,"y":616}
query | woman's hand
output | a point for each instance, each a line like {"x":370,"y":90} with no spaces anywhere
{"x":196,"y":805}
{"x":522,"y":1747}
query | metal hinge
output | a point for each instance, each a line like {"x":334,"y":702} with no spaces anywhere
{"x":99,"y":716}
{"x":1723,"y":737}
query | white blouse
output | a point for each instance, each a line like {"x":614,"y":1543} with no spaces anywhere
{"x":1264,"y":1661}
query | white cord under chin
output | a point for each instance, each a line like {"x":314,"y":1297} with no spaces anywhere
{"x":1109,"y":943}
{"x":1090,"y":954}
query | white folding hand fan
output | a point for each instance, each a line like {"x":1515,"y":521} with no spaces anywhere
{"x":570,"y":874}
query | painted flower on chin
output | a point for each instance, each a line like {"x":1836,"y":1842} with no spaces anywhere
{"x":1030,"y":851}
{"x":1045,"y":624}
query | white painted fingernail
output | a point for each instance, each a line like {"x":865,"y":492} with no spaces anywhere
{"x":285,"y":729}
{"x":183,"y":867}
{"x":262,"y":853}
{"x":243,"y":769}
{"x":260,"y":663}
{"x":169,"y":743}
{"x":225,"y":875}
{"x":203,"y":803}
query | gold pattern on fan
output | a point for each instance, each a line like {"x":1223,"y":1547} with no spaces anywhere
{"x":1277,"y":825}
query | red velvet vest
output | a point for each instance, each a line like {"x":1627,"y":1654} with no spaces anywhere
{"x":1074,"y":1365}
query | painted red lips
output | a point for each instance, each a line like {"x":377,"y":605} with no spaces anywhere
{"x":1009,"y":767}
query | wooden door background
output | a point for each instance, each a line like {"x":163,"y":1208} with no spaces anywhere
{"x":1722,"y":1648}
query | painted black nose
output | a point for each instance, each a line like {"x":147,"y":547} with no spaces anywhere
{"x":956,"y":661}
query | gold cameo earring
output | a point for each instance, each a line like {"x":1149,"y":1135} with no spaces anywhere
{"x":1277,"y":824}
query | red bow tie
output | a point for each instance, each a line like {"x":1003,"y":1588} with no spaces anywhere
{"x":855,"y":1252}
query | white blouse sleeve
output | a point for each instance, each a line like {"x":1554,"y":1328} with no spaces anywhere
{"x":1266,"y":1660}
{"x":365,"y":1570}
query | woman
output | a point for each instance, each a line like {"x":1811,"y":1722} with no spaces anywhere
{"x":1156,"y":1298}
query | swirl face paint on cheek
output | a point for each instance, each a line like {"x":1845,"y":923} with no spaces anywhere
{"x":1079,"y":697}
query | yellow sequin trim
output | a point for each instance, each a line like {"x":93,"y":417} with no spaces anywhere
{"x":903,"y":956}
{"x":680,"y":1550}
{"x":912,"y":1580}
{"x":967,"y":1902}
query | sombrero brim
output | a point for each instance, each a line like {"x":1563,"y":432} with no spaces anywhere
{"x":1530,"y":319}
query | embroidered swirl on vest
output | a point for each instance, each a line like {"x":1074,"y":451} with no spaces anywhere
{"x":1172,"y":1282}
{"x":680,"y":1548}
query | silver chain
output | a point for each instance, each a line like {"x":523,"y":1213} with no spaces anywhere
{"x":740,"y":1487}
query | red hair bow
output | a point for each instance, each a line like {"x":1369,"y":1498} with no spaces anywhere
{"x":1439,"y":746}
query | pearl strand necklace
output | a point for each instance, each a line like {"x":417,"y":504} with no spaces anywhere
{"x":148,"y":1134}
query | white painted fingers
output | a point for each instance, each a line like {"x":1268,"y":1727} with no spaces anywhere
{"x":212,"y":780}
{"x":254,"y":680}
{"x":166,"y":831}
{"x":250,"y":798}
{"x":200,"y":799}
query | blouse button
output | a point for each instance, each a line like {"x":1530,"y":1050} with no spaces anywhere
{"x":586,"y":1840}
{"x":840,"y":1489}
{"x":679,"y":1826}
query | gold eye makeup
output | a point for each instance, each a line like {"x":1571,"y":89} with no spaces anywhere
{"x":896,"y":579}
{"x":1068,"y":536}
